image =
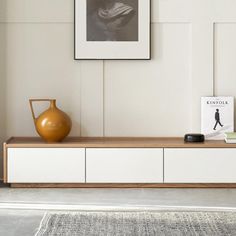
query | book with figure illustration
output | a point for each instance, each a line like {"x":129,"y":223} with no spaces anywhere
{"x":217,"y":117}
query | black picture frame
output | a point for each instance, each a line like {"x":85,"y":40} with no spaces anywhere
{"x":99,"y":58}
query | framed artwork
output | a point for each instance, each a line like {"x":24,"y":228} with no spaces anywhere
{"x":112,"y":29}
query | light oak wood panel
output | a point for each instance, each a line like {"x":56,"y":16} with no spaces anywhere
{"x":122,"y":142}
{"x":127,"y":185}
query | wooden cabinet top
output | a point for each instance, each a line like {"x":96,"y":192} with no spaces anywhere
{"x":118,"y":142}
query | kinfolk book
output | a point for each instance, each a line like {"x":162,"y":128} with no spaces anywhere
{"x":217,"y":117}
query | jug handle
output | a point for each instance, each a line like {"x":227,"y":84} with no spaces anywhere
{"x":32,"y":108}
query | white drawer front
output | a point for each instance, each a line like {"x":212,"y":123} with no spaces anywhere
{"x":124,"y":165}
{"x":200,"y":165}
{"x":46,"y":165}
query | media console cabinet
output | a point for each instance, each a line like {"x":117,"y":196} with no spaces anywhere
{"x":119,"y":162}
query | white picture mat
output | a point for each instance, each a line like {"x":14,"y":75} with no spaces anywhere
{"x":112,"y":49}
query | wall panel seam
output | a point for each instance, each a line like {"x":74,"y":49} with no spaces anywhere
{"x":80,"y":99}
{"x":163,"y":165}
{"x":224,"y":22}
{"x":103,"y":97}
{"x":72,"y":22}
{"x":85,"y":165}
{"x":214,"y":60}
{"x":38,"y":22}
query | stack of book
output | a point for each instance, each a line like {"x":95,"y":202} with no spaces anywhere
{"x":230,"y":137}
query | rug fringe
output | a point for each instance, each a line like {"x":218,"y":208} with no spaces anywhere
{"x":40,"y":228}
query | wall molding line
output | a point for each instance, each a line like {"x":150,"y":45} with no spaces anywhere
{"x":214,"y":59}
{"x":116,"y":207}
{"x":36,"y":22}
{"x":103,"y":92}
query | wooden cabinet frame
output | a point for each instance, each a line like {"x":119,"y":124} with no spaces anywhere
{"x":80,"y":142}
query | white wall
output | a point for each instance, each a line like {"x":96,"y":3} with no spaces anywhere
{"x":193,"y":54}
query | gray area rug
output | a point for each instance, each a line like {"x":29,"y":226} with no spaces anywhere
{"x":138,"y":224}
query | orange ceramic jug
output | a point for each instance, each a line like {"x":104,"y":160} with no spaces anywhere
{"x":53,"y":125}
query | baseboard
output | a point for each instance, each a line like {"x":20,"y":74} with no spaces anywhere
{"x":71,"y":207}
